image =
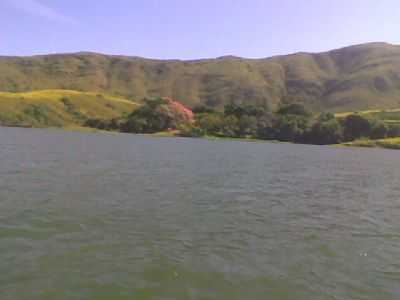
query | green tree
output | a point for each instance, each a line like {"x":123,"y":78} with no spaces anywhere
{"x":210,"y":123}
{"x":247,"y":126}
{"x":291,"y":128}
{"x":379,"y":130}
{"x":156,"y":115}
{"x":355,"y":127}
{"x":393,"y":130}
{"x":244,"y":110}
{"x":203,"y":109}
{"x":325,"y":131}
{"x":230,"y":126}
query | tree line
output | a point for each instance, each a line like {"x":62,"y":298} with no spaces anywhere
{"x":290,"y":123}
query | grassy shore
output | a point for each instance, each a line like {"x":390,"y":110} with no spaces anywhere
{"x":391,"y":143}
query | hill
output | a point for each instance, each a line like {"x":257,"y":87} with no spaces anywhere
{"x":354,"y":78}
{"x":59,"y":108}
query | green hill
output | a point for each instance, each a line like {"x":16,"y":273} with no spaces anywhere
{"x":353,"y":78}
{"x":59,"y":108}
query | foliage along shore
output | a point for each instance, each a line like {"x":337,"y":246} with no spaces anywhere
{"x":164,"y":117}
{"x":290,"y":123}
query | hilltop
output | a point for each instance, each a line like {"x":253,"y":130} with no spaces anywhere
{"x":353,"y":78}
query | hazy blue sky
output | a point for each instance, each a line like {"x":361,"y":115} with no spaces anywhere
{"x":194,"y":28}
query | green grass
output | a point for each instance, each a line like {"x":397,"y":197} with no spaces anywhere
{"x":389,"y":116}
{"x":390,"y":143}
{"x":59,"y":108}
{"x":381,"y":113}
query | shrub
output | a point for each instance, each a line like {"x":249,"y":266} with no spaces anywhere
{"x":191,"y":130}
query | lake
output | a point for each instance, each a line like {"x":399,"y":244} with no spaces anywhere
{"x":111,"y":217}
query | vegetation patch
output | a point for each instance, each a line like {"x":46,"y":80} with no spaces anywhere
{"x":38,"y":112}
{"x":290,"y":123}
{"x":389,"y":143}
{"x":59,"y":108}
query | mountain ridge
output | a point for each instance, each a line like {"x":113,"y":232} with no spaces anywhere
{"x":356,"y":77}
{"x":199,"y":59}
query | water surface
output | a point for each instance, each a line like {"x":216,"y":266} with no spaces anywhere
{"x":115,"y":217}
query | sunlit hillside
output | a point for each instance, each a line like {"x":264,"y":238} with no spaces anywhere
{"x":59,"y":108}
{"x":354,"y":78}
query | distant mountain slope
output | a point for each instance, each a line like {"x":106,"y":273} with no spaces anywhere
{"x":59,"y":108}
{"x":357,"y":77}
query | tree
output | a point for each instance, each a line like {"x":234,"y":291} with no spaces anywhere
{"x":230,"y":126}
{"x":265,"y":127}
{"x":211,"y":124}
{"x":325,"y":131}
{"x":157,"y":115}
{"x":247,"y":126}
{"x":393,"y":130}
{"x":324,"y":117}
{"x":244,"y":110}
{"x":379,"y":130}
{"x":203,"y":109}
{"x":290,"y":128}
{"x":355,"y":127}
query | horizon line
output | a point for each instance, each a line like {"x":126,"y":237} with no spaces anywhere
{"x":233,"y":56}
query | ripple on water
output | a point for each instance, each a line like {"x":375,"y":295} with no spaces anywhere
{"x":125,"y":217}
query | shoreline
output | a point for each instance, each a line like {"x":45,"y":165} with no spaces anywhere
{"x":389,"y":143}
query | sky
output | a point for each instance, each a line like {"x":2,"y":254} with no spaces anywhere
{"x":192,"y":29}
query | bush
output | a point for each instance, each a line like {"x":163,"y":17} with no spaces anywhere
{"x":191,"y":130}
{"x":113,"y":124}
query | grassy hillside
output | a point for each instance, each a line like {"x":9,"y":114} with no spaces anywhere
{"x":353,"y":78}
{"x":59,"y":108}
{"x":389,"y":116}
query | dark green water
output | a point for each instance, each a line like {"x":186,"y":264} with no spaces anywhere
{"x":112,"y":217}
